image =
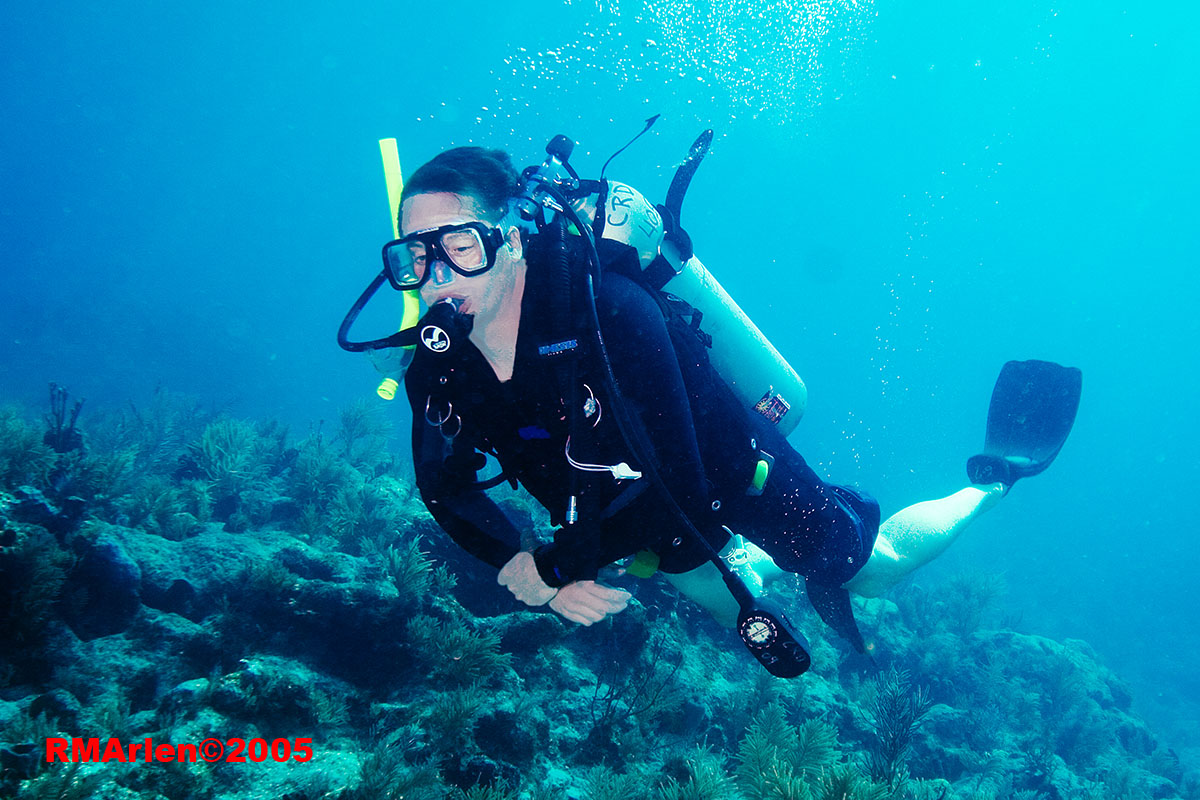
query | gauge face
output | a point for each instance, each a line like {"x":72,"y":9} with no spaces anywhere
{"x":758,"y":630}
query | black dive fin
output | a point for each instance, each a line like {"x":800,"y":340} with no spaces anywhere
{"x":832,"y":604}
{"x":1032,"y":411}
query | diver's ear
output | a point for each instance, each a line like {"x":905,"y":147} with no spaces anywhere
{"x":513,"y":242}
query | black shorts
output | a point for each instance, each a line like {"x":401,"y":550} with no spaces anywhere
{"x":821,"y":531}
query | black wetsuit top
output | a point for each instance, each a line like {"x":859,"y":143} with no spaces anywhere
{"x":705,"y":443}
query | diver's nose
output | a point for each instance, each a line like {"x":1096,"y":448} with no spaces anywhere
{"x":442,"y":274}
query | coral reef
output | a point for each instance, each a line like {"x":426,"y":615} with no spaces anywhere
{"x":176,"y":573}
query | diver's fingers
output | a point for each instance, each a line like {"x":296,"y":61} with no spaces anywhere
{"x":521,"y":577}
{"x":577,"y":613}
{"x":615,"y":599}
{"x":600,"y":597}
{"x":588,"y":602}
{"x":583,"y":617}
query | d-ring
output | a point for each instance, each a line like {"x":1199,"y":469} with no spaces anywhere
{"x":438,"y":423}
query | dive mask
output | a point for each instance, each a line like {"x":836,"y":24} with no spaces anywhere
{"x":468,"y":249}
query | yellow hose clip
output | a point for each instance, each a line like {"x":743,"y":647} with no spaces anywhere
{"x":760,"y":475}
{"x":762,"y":472}
{"x":644,"y":564}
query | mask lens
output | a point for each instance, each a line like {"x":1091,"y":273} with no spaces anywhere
{"x":405,"y":262}
{"x":465,"y":249}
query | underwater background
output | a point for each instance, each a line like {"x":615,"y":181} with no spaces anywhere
{"x":901,"y":195}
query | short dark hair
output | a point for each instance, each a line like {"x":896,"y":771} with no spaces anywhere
{"x":486,"y":175}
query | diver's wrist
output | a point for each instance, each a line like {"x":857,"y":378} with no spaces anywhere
{"x":551,"y":572}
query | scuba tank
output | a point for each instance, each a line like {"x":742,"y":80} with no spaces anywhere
{"x":744,"y":358}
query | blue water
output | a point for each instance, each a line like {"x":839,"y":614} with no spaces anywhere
{"x":903,"y":195}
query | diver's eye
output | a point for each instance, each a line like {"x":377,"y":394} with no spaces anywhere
{"x":416,"y":256}
{"x":464,"y":248}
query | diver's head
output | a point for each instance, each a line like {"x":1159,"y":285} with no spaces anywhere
{"x":456,"y":238}
{"x":485,"y":175}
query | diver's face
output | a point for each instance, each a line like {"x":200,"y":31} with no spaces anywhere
{"x":482,"y":295}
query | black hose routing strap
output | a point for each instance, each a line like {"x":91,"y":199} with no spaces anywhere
{"x":660,"y":270}
{"x":679,"y":185}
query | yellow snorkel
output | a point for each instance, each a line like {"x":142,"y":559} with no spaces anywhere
{"x":392,"y":354}
{"x":412,"y":300}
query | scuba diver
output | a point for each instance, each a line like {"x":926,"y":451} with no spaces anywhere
{"x":547,"y":346}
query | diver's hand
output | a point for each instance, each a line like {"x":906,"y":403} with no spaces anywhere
{"x":587,"y":602}
{"x":521,"y":577}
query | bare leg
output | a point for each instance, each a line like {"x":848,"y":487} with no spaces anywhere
{"x":910,"y":538}
{"x":705,"y":586}
{"x":914,"y":536}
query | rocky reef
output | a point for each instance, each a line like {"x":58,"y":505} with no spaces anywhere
{"x":177,"y":574}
